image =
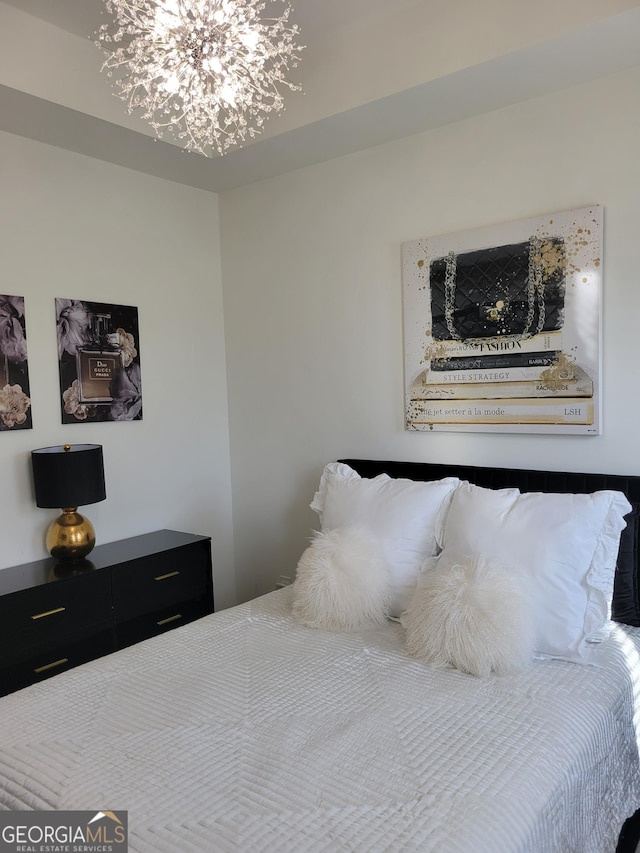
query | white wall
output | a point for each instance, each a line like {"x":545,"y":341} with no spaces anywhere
{"x":79,"y":228}
{"x":313,"y":310}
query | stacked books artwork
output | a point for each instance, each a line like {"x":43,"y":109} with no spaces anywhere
{"x":502,"y":380}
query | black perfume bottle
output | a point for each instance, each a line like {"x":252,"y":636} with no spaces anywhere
{"x":98,"y":362}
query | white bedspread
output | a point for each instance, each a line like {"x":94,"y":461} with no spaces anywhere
{"x":244,"y":731}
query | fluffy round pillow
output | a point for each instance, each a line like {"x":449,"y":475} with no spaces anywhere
{"x":477,"y":617}
{"x":342,"y":581}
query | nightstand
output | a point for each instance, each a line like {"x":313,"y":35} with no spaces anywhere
{"x":53,"y":618}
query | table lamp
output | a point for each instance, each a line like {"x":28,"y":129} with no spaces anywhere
{"x":65,"y":477}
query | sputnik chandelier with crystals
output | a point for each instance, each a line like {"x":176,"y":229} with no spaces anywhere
{"x":207,"y":71}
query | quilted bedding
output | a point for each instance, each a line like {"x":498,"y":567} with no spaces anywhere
{"x":244,"y":731}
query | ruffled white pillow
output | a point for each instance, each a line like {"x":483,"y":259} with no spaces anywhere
{"x":342,"y":581}
{"x":476,"y":616}
{"x":565,"y":544}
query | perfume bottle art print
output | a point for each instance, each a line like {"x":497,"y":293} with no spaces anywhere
{"x":98,"y":363}
{"x":99,"y":360}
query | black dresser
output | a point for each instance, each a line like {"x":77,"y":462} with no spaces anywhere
{"x":54,"y":617}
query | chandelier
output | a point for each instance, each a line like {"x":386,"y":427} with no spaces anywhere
{"x":207,"y":71}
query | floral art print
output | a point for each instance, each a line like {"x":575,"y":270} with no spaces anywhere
{"x":99,"y":358}
{"x":15,"y":405}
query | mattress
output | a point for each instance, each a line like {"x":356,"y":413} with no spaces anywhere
{"x":244,"y":731}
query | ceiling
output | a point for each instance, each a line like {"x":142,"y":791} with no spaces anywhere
{"x":315,"y":17}
{"x":372,"y":71}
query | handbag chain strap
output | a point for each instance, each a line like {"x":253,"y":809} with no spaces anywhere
{"x":450,"y":271}
{"x":535,"y":287}
{"x":535,"y":295}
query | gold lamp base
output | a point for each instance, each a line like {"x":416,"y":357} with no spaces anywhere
{"x":71,"y":536}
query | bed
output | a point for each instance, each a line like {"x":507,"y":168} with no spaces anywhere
{"x":249,"y":731}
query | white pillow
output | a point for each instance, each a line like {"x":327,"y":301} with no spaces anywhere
{"x":342,"y":581}
{"x":563,"y":542}
{"x":475,"y":616}
{"x":403,"y":513}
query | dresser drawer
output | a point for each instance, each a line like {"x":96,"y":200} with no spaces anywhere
{"x":46,"y":662}
{"x":45,"y":614}
{"x":161,"y":580}
{"x":152,"y":624}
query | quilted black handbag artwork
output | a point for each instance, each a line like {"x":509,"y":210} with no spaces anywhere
{"x":516,"y":290}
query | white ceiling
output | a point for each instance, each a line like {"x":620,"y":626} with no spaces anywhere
{"x":315,"y":17}
{"x":373,"y":71}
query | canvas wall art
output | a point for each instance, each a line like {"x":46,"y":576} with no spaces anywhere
{"x":503,"y":329}
{"x":99,"y":360}
{"x":15,"y":403}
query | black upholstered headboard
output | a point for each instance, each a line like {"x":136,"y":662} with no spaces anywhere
{"x":626,"y":595}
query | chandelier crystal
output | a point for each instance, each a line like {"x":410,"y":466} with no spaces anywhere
{"x":207,"y":71}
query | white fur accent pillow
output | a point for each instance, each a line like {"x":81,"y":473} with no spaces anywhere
{"x":342,"y":581}
{"x":476,"y":616}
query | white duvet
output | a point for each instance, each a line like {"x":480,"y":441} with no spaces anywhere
{"x":244,"y":731}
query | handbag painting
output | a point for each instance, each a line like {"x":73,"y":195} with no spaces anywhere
{"x":515,"y":290}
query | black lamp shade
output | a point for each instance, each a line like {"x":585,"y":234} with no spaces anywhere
{"x":69,"y":475}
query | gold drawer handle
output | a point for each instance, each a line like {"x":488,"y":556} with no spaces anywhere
{"x":168,"y":575}
{"x":48,"y":613}
{"x":51,"y":665}
{"x":169,"y":619}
